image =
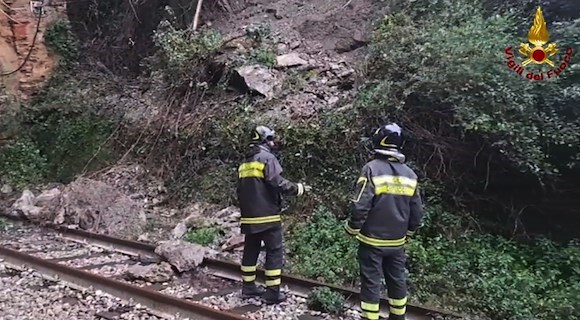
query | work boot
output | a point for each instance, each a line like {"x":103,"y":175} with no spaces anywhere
{"x":251,"y":291}
{"x":274,"y":296}
{"x":396,"y":317}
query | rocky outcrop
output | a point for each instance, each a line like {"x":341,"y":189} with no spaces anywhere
{"x":18,"y":21}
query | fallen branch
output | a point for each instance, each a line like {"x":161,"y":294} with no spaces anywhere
{"x":134,"y":11}
{"x":197,"y":12}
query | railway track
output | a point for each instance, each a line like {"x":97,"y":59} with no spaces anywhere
{"x":98,"y":261}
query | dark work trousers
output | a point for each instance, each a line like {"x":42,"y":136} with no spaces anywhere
{"x":376,"y":263}
{"x":273,"y":240}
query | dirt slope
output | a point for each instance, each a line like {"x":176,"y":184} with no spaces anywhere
{"x":17,"y":28}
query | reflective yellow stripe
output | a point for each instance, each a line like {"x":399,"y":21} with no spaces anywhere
{"x":252,"y":165}
{"x":369,"y":306}
{"x":351,"y":230}
{"x":274,"y":272}
{"x":380,"y":242}
{"x":276,"y":282}
{"x":396,"y":190}
{"x":248,"y":268}
{"x":398,"y":311}
{"x":370,"y":315}
{"x":251,"y":174}
{"x":398,"y":302}
{"x":259,"y":220}
{"x":362,"y":188}
{"x":249,"y":278}
{"x":251,"y":170}
{"x":395,"y":180}
{"x":394,"y":185}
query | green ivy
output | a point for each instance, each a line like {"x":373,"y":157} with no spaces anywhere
{"x":321,"y":249}
{"x":22,"y":164}
{"x":182,"y":53}
{"x":326,"y":300}
{"x":60,"y":38}
{"x":497,"y":277}
{"x":264,"y":55}
{"x":204,"y":236}
{"x":60,"y":135}
{"x":446,"y":57}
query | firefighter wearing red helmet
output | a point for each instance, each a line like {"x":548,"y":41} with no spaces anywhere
{"x":387,"y":210}
{"x":259,"y":190}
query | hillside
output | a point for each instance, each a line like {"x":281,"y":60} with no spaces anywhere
{"x":124,"y":100}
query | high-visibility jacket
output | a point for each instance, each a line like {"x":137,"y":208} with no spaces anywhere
{"x":259,"y":190}
{"x":387,"y":204}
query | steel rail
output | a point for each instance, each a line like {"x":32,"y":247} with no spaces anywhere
{"x":230,"y":270}
{"x":154,"y":300}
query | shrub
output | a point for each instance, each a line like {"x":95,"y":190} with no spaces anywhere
{"x":22,"y":164}
{"x":183,"y":53}
{"x":204,"y":236}
{"x":497,"y":277}
{"x":321,"y":249}
{"x":60,"y":135}
{"x":5,"y":225}
{"x":259,"y":32}
{"x":60,"y":38}
{"x":326,"y":300}
{"x":264,"y":55}
{"x":444,"y":58}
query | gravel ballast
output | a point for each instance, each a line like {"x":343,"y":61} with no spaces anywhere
{"x":25,"y":295}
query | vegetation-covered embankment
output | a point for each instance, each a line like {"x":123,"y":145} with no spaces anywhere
{"x":497,"y":154}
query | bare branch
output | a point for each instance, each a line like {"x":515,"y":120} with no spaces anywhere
{"x":197,"y":12}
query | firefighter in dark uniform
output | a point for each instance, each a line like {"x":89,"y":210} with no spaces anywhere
{"x":259,"y":189}
{"x":387,"y":210}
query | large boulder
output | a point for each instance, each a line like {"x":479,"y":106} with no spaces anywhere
{"x":153,"y":273}
{"x":182,"y":255}
{"x":49,"y":200}
{"x":290,"y":60}
{"x":25,"y":206}
{"x":255,"y":78}
{"x":97,"y":206}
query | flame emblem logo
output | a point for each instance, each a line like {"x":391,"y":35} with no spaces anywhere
{"x":538,"y":36}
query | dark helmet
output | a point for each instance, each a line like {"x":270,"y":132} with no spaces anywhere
{"x":388,"y":137}
{"x":263,"y":134}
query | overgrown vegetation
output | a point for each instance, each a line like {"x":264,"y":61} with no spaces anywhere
{"x":60,"y":38}
{"x":65,"y":124}
{"x":497,"y":277}
{"x":326,"y":300}
{"x":264,"y":55}
{"x":456,"y":103}
{"x":480,"y":137}
{"x":526,"y":122}
{"x":205,"y":236}
{"x":470,"y":272}
{"x":336,"y":263}
{"x":22,"y":164}
{"x":5,"y":225}
{"x":183,"y":54}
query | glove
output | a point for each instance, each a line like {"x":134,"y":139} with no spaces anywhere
{"x":302,"y":188}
